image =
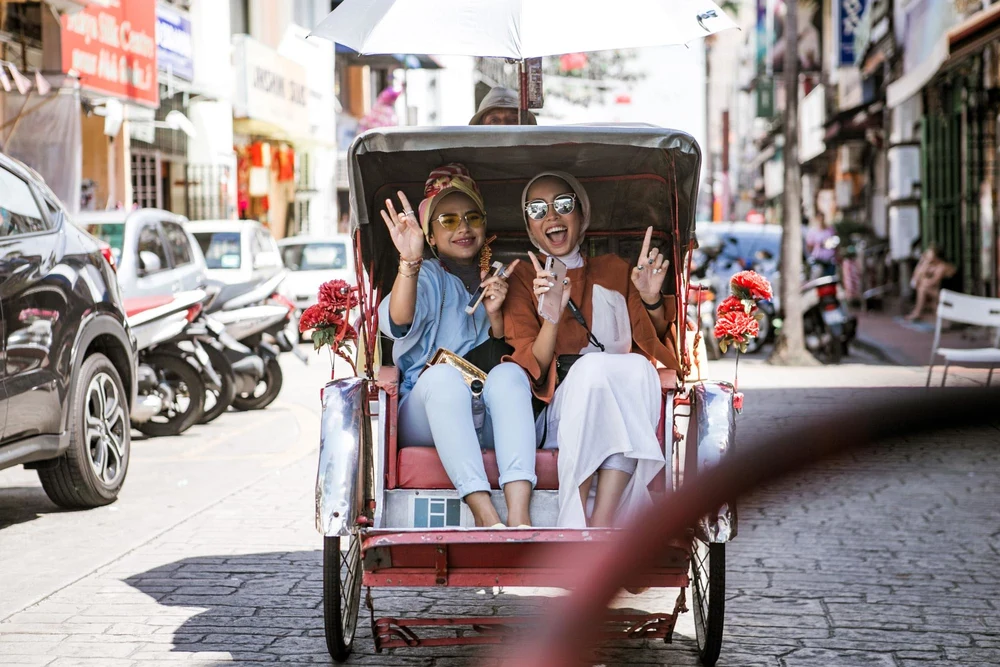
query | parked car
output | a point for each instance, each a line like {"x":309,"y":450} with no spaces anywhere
{"x":67,"y":355}
{"x":237,"y":251}
{"x":155,"y":255}
{"x":312,"y":261}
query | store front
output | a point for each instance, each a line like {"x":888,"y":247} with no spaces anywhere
{"x":159,"y":138}
{"x":270,"y":109}
{"x":112,"y":48}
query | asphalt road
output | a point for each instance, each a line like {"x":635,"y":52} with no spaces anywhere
{"x":210,"y":556}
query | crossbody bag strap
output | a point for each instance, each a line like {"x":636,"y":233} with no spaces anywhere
{"x":578,"y":316}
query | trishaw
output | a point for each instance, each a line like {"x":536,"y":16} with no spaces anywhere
{"x":389,"y":514}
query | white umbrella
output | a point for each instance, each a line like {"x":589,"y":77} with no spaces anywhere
{"x":518,"y":29}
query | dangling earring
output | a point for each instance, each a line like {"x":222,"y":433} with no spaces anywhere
{"x":486,"y":254}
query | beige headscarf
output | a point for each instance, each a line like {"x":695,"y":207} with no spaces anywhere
{"x":581,"y":195}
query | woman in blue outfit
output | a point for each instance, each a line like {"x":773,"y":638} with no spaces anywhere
{"x":426,"y":311}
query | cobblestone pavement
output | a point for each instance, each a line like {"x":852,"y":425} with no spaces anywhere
{"x":891,"y":557}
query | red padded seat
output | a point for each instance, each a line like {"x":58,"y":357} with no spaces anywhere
{"x":139,"y":304}
{"x":420,"y":468}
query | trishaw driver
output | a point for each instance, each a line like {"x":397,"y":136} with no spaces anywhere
{"x":500,"y":107}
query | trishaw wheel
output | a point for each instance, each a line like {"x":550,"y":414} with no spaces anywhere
{"x":708,"y":595}
{"x":341,"y":594}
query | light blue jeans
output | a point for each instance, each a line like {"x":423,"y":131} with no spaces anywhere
{"x":437,"y":412}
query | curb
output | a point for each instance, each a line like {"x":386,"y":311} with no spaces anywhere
{"x":881,"y":352}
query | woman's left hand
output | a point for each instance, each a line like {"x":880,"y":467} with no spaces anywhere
{"x":651,"y":270}
{"x":496,"y":290}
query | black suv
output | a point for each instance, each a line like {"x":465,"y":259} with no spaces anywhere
{"x":67,"y":356}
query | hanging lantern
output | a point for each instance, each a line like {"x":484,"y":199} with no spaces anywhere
{"x":571,"y":62}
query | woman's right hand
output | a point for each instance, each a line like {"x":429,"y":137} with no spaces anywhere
{"x":404,"y":229}
{"x":543,"y":281}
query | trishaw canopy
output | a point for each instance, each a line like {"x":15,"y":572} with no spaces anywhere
{"x":636,"y":176}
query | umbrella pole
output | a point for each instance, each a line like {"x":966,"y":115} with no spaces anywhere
{"x":523,"y":92}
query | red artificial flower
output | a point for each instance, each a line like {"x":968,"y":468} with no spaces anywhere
{"x":730,"y":305}
{"x":750,"y":286}
{"x":338,"y":294}
{"x":736,"y":326}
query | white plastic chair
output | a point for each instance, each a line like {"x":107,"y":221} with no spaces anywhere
{"x":967,"y":309}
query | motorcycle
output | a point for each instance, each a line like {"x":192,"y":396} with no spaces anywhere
{"x":261,"y":319}
{"x":171,"y":391}
{"x":237,"y":367}
{"x":829,"y":328}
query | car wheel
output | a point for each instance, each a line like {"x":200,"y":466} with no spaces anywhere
{"x":92,"y":470}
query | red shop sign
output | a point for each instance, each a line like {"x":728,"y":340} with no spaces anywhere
{"x":111,"y":44}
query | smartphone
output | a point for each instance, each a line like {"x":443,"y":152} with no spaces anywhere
{"x":497,"y":269}
{"x":550,"y":303}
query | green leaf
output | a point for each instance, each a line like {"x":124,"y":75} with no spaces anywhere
{"x":743,"y":348}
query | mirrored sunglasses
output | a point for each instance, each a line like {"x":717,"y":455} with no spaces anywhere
{"x":537,"y":209}
{"x":450,"y":221}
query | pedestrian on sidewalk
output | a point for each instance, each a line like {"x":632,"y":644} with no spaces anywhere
{"x":931,"y":271}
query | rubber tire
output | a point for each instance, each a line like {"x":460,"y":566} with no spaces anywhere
{"x":339,"y":641}
{"x":227,"y":391}
{"x":273,"y":379}
{"x":712,"y":348}
{"x":196,"y":391}
{"x":709,"y":633}
{"x":70,"y":482}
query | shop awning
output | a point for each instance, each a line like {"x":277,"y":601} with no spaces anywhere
{"x":960,"y":42}
{"x":395,"y":60}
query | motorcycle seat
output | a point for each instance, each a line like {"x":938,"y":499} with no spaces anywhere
{"x":136,"y":305}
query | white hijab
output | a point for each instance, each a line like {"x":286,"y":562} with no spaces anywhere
{"x":573,"y":259}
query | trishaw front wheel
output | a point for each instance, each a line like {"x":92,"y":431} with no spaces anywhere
{"x":708,"y":595}
{"x":341,"y":594}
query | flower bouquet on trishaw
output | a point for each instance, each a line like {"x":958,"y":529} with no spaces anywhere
{"x":522,"y":374}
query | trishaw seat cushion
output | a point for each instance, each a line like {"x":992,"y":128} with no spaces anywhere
{"x":420,"y":468}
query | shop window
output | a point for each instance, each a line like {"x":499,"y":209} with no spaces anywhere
{"x":19,"y":212}
{"x":150,"y":241}
{"x":180,"y":248}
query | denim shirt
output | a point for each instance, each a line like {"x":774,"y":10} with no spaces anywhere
{"x":433,"y":326}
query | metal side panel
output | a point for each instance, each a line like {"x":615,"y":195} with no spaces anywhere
{"x":338,"y":483}
{"x":714,"y":424}
{"x":442,"y":508}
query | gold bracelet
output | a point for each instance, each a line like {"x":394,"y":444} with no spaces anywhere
{"x":407,"y":275}
{"x":411,"y":263}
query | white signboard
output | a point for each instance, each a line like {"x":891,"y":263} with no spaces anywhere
{"x":269,"y":87}
{"x":812,"y":115}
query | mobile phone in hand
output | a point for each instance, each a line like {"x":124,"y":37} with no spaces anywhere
{"x":550,"y":304}
{"x":497,"y":269}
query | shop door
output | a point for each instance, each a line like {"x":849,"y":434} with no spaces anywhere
{"x":147,"y":179}
{"x":953,"y":153}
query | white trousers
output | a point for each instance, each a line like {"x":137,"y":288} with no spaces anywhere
{"x":609,"y":404}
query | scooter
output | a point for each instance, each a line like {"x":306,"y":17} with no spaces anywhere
{"x":829,"y":328}
{"x":255,"y":318}
{"x":171,"y":391}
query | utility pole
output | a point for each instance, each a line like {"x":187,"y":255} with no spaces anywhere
{"x":790,"y":348}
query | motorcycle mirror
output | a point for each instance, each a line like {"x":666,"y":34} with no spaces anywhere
{"x":149,"y":262}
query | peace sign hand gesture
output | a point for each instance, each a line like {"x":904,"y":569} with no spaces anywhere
{"x":404,"y":229}
{"x":650,"y":272}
